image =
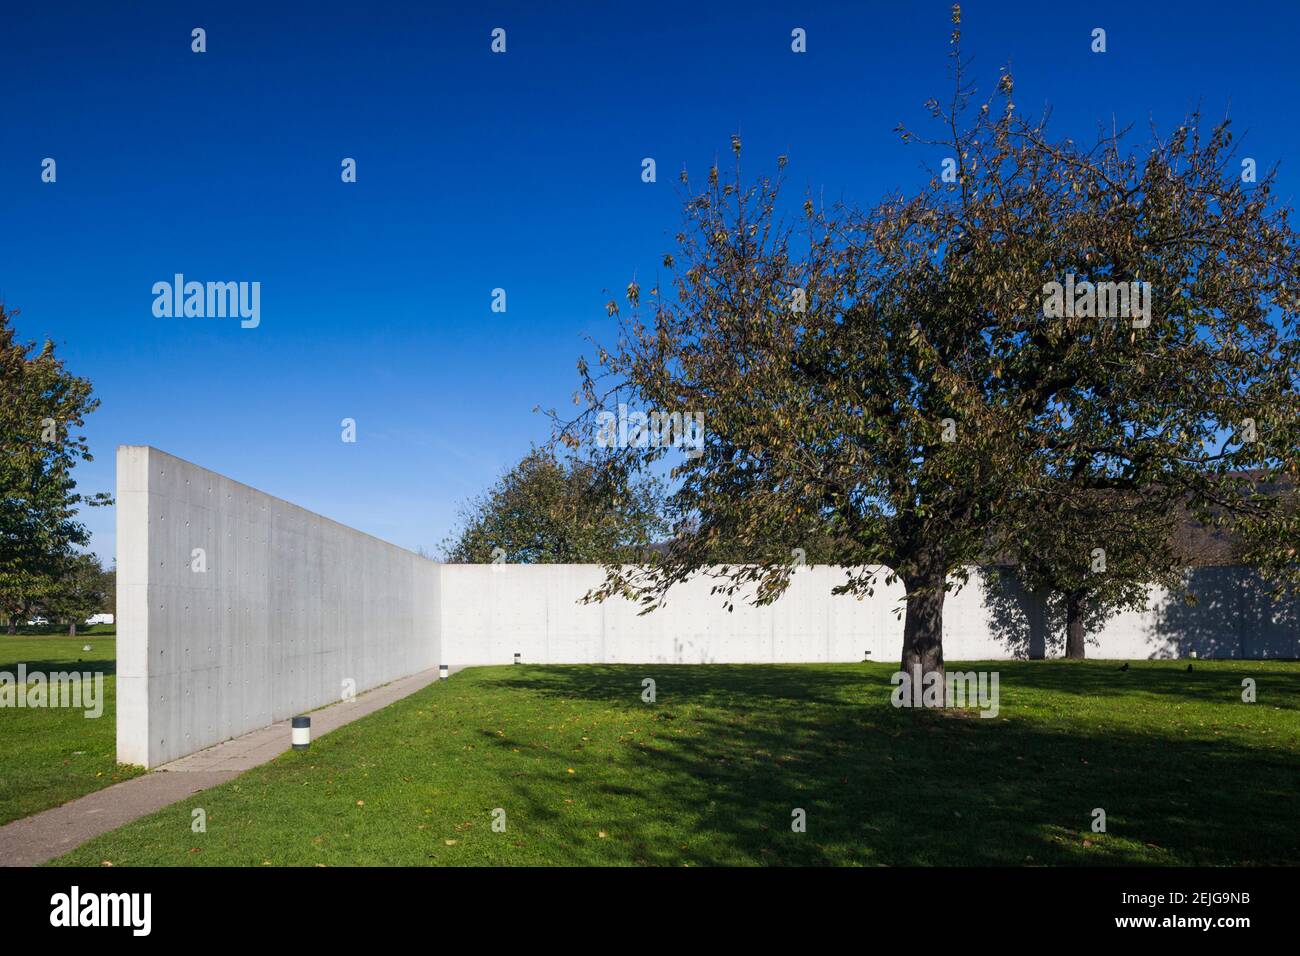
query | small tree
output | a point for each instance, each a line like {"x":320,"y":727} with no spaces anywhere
{"x":548,"y":510}
{"x":79,"y":591}
{"x":1094,"y":554}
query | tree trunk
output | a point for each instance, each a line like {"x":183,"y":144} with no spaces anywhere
{"x":13,"y":626}
{"x":923,"y":626}
{"x":72,"y":628}
{"x":1074,"y":635}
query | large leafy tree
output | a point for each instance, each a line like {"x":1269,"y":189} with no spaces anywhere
{"x":893,"y":378}
{"x":42,"y":407}
{"x":549,"y":509}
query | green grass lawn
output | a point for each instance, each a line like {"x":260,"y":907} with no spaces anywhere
{"x":709,"y":774}
{"x":49,"y":755}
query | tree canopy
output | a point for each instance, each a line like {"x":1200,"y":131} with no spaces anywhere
{"x":552,"y":510}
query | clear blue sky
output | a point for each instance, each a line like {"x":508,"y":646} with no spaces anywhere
{"x":476,"y":171}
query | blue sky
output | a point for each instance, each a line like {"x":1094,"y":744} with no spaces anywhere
{"x":477,"y":171}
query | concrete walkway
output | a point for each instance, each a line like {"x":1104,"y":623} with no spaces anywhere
{"x":50,"y":833}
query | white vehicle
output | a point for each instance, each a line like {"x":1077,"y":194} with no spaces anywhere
{"x":38,"y":620}
{"x":100,"y":619}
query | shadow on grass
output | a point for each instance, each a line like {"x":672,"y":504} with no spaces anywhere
{"x":1211,"y":683}
{"x":733,"y":751}
{"x":61,"y":630}
{"x":106,"y":667}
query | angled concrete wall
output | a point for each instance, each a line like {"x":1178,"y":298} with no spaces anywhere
{"x":289,"y":608}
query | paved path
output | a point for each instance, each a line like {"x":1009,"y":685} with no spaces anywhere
{"x":50,"y":833}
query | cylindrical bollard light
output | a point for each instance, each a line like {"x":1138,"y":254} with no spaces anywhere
{"x":516,"y":657}
{"x":442,"y":672}
{"x":301,"y":733}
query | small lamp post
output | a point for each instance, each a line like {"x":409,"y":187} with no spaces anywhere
{"x":301,"y":733}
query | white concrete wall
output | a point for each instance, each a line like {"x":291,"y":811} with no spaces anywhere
{"x":1232,"y":617}
{"x":491,"y":611}
{"x":290,"y":607}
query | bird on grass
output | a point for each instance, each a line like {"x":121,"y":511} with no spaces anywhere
{"x":1125,"y":666}
{"x":1189,"y":667}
